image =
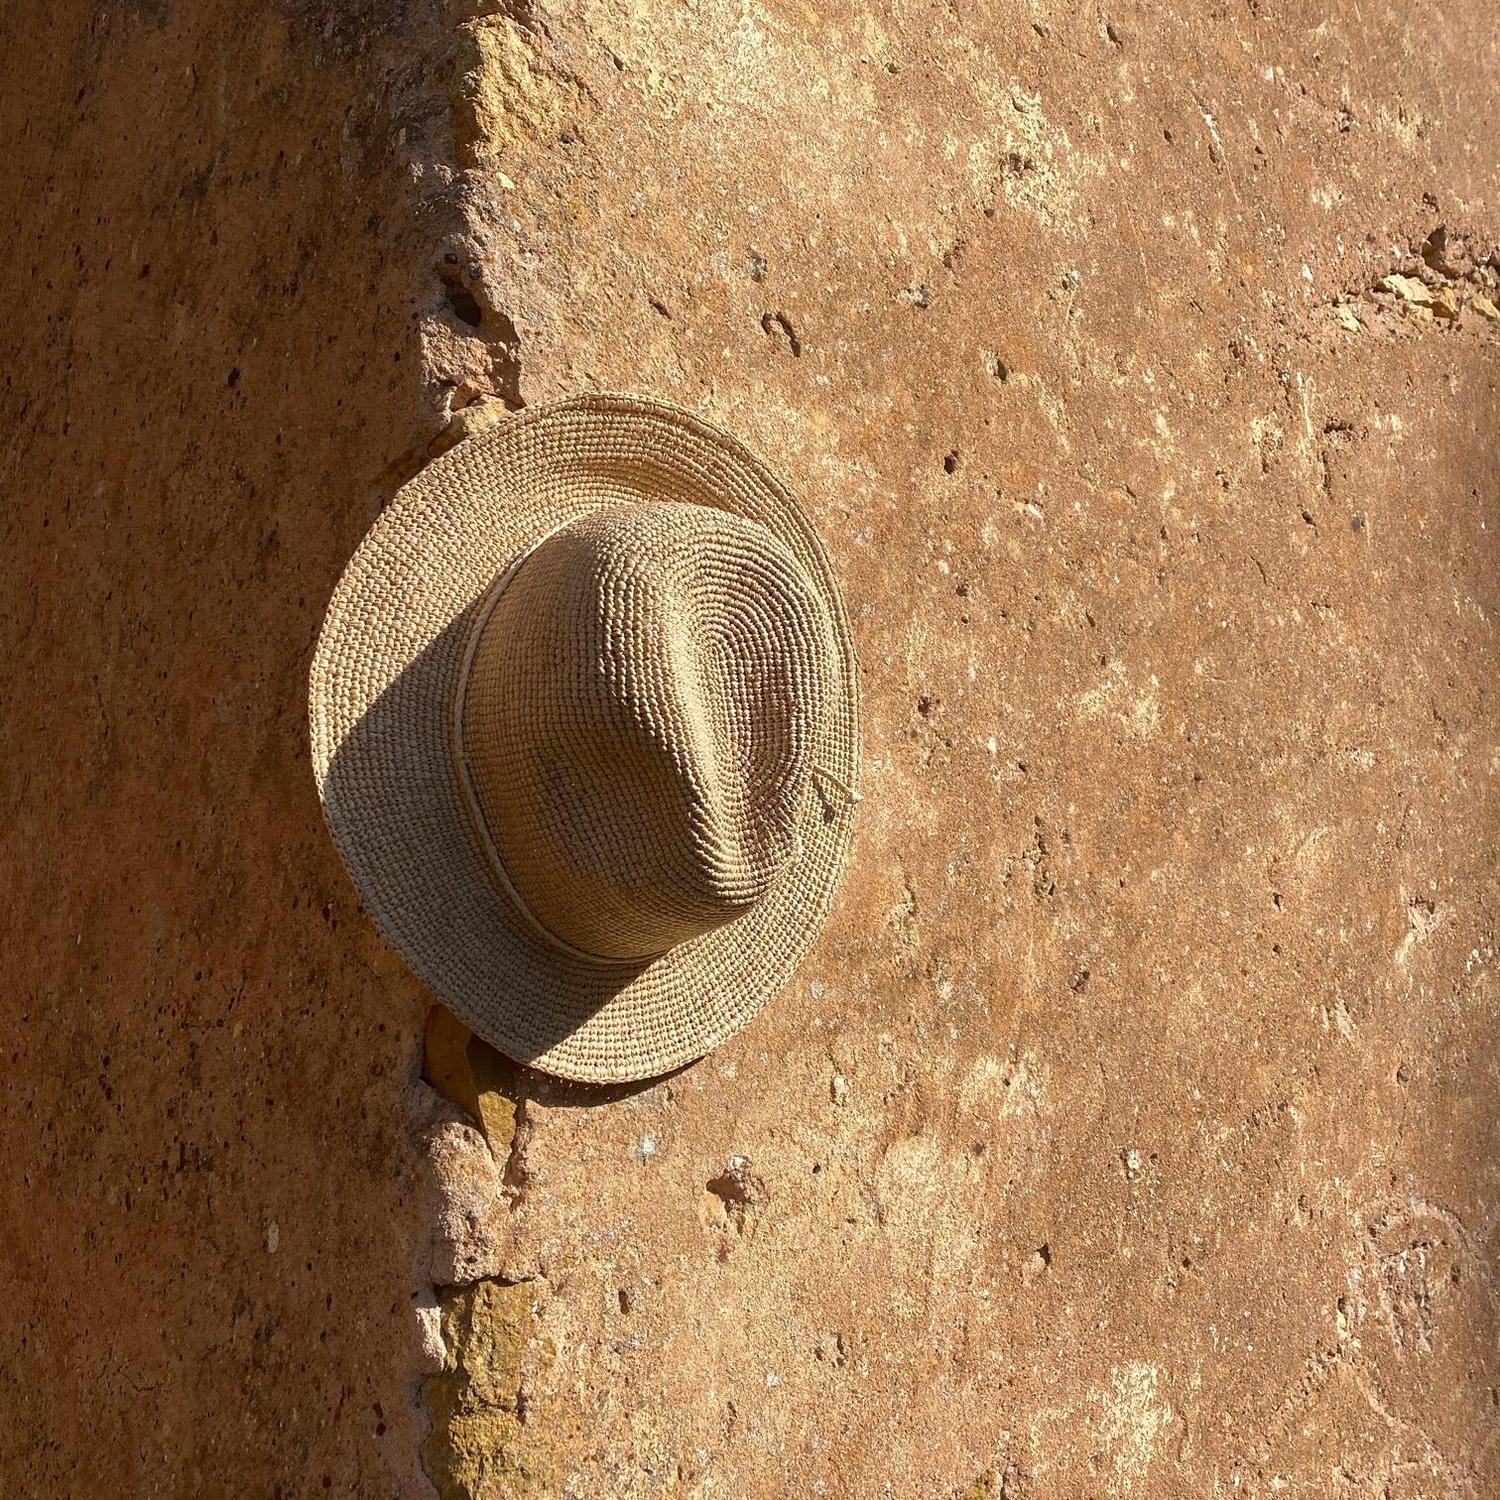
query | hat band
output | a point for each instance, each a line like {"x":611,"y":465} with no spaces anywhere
{"x":466,"y":777}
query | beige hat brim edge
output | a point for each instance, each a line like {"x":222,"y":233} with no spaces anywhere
{"x":381,"y":689}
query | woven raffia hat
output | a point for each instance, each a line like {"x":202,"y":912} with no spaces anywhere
{"x":584,"y":726}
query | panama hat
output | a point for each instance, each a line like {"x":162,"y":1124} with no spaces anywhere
{"x":584,"y":725}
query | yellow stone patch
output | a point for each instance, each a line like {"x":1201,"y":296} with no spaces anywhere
{"x":504,"y":95}
{"x":479,"y":1447}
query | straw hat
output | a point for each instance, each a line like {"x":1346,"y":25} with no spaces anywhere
{"x":584,"y":727}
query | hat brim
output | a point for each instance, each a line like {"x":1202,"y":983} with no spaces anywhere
{"x":381,"y":703}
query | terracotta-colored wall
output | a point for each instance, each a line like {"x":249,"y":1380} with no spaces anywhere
{"x":209,"y":364}
{"x":1133,"y":1129}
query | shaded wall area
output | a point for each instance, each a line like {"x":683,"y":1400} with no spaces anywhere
{"x":210,"y":366}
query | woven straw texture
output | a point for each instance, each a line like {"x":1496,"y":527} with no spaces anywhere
{"x":584,"y":724}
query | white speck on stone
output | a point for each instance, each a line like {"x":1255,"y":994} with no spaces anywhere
{"x":1132,"y":1159}
{"x":646,"y":1148}
{"x":992,"y":745}
{"x":838,"y":1089}
{"x":816,"y":988}
{"x":772,"y":1380}
{"x":429,"y":1329}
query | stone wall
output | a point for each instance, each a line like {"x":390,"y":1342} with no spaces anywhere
{"x":1133,"y":1129}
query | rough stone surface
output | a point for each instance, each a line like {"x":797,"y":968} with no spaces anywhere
{"x":482,"y":1443}
{"x":1133,"y":1129}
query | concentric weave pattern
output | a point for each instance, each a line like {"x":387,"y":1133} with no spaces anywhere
{"x":659,"y":698}
{"x":638,"y":722}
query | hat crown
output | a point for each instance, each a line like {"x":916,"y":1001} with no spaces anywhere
{"x":638,"y":720}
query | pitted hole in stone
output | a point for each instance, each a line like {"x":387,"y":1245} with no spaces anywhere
{"x":462,"y":302}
